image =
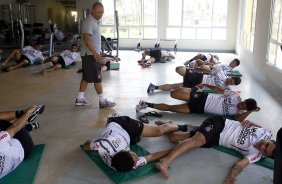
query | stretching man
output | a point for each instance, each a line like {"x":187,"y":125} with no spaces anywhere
{"x":155,"y":56}
{"x":62,"y":59}
{"x":225,"y":68}
{"x":26,"y":56}
{"x":203,"y":59}
{"x":15,"y":141}
{"x":121,"y":132}
{"x":217,"y":130}
{"x":192,"y":79}
{"x":225,"y":102}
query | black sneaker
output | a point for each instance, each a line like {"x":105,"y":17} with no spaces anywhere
{"x":151,"y":88}
{"x":38,"y":110}
{"x":31,"y":126}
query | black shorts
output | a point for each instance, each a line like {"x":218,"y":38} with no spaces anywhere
{"x":133,"y":127}
{"x":197,"y":101}
{"x":157,"y":54}
{"x":277,"y":178}
{"x":192,"y":79}
{"x":22,"y":136}
{"x":108,"y":65}
{"x":23,"y":57}
{"x":61,"y":61}
{"x":91,"y":70}
{"x":212,"y":128}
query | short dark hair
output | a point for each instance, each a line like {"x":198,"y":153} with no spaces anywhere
{"x":237,"y":80}
{"x":237,"y":61}
{"x":123,"y":161}
{"x":96,"y":4}
{"x":251,"y":104}
{"x":73,"y":45}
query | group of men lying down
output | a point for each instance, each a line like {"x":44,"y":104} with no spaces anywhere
{"x":120,"y":132}
{"x":244,"y":136}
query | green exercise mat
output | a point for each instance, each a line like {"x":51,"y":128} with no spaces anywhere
{"x":234,"y":73}
{"x":164,"y":60}
{"x":124,"y":177}
{"x":264,"y":162}
{"x":114,"y":66}
{"x":25,"y":173}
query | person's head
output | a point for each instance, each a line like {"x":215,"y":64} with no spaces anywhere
{"x":124,"y":161}
{"x":38,"y":45}
{"x":73,"y":47}
{"x":248,"y":104}
{"x":266,"y":147}
{"x":97,"y":10}
{"x":215,"y":58}
{"x":233,"y":81}
{"x":234,"y":63}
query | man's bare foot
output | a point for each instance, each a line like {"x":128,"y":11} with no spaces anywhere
{"x":163,"y":169}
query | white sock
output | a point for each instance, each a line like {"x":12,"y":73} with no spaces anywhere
{"x":80,"y":95}
{"x":101,"y":98}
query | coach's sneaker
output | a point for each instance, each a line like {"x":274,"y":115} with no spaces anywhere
{"x":81,"y":102}
{"x":38,"y":110}
{"x":142,"y":105}
{"x":151,"y":88}
{"x":106,"y":103}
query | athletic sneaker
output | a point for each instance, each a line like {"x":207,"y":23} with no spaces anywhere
{"x":82,"y":102}
{"x":187,"y":63}
{"x":151,"y":88}
{"x":106,"y":103}
{"x":38,"y":110}
{"x":142,"y":105}
{"x":31,"y":126}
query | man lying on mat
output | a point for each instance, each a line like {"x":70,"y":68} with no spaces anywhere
{"x":246,"y":137}
{"x":15,"y":141}
{"x":121,"y":132}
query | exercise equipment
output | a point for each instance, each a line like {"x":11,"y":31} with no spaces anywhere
{"x":124,"y":177}
{"x":139,"y":47}
{"x":108,"y":45}
{"x":158,"y":44}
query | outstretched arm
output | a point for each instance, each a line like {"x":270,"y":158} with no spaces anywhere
{"x":241,"y":117}
{"x":249,"y":123}
{"x":235,"y":170}
{"x":214,"y":88}
{"x":86,"y":145}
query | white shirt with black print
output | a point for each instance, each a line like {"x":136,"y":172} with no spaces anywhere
{"x":243,"y":138}
{"x":223,"y":104}
{"x":32,"y":54}
{"x":69,"y":57}
{"x":11,"y":153}
{"x":113,"y":140}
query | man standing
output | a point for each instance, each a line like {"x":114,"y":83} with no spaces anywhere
{"x":91,"y":59}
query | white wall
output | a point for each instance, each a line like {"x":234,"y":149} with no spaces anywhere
{"x":258,"y":57}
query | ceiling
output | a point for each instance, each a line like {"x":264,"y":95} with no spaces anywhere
{"x":68,"y":3}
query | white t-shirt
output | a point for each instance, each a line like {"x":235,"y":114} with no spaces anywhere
{"x":223,"y":104}
{"x":69,"y":57}
{"x":243,"y":139}
{"x":217,"y":79}
{"x":208,"y":56}
{"x":113,"y":140}
{"x":11,"y":153}
{"x":165,"y":53}
{"x":222,"y":67}
{"x":92,"y":27}
{"x":32,"y":54}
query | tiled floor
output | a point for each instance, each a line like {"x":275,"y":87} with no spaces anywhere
{"x":63,"y":127}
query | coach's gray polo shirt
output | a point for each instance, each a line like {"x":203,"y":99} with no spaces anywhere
{"x":91,"y":26}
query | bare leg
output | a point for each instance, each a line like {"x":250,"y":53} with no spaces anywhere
{"x":167,"y":87}
{"x":182,"y":108}
{"x":83,"y":86}
{"x":55,"y":67}
{"x":181,"y":94}
{"x":179,"y":136}
{"x":181,"y":70}
{"x":15,"y":54}
{"x":155,"y":131}
{"x":98,"y":88}
{"x":196,"y":141}
{"x":22,"y":63}
{"x":8,"y":115}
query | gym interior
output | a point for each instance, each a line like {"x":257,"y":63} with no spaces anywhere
{"x":249,"y":30}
